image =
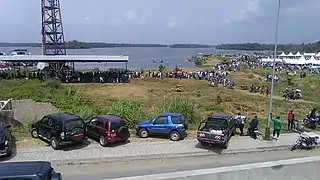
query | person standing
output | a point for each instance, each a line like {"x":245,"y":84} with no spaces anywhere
{"x":276,"y":126}
{"x":290,"y":120}
{"x":240,"y":123}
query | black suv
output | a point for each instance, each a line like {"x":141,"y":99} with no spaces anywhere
{"x":60,"y":129}
{"x":32,"y":170}
{"x":217,"y":129}
{"x":6,"y":139}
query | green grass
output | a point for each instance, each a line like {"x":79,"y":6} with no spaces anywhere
{"x":145,"y":98}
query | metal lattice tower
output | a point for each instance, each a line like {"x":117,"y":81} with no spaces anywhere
{"x":52,"y":31}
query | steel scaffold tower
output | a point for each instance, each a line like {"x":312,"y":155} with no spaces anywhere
{"x":52,"y":32}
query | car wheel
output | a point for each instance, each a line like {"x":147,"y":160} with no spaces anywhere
{"x":143,"y":133}
{"x":102,"y":141}
{"x":175,"y":136}
{"x":54,"y":143}
{"x":34,"y":133}
{"x":9,"y":154}
{"x":204,"y":143}
{"x":225,"y":145}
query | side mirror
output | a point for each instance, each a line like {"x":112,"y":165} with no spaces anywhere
{"x":8,"y":126}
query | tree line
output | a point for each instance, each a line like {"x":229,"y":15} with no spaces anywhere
{"x":89,"y":45}
{"x":303,"y":47}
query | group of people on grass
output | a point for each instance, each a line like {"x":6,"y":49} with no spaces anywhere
{"x":277,"y":123}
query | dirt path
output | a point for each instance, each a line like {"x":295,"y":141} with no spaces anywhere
{"x":276,"y":97}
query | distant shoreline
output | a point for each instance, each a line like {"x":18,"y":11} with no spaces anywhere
{"x":92,"y":45}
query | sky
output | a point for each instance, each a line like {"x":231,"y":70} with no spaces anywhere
{"x":167,"y":21}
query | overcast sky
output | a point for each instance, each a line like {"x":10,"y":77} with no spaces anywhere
{"x":166,"y":21}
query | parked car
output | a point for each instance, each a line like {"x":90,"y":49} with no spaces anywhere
{"x":108,"y":129}
{"x":60,"y":129}
{"x":216,"y":130}
{"x":173,"y":125}
{"x":6,"y":139}
{"x":28,"y":170}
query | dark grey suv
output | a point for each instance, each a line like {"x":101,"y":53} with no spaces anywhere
{"x":60,"y":129}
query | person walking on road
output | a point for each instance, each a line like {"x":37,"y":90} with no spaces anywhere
{"x":290,"y":120}
{"x":276,"y":126}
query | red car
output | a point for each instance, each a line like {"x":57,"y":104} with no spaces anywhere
{"x":108,"y":129}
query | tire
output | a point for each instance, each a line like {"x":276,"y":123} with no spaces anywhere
{"x":54,"y":143}
{"x":102,"y":141}
{"x":175,"y":136}
{"x":122,"y":132}
{"x":294,"y":147}
{"x":306,"y":122}
{"x":225,"y":145}
{"x":143,"y":133}
{"x":34,"y":133}
{"x":9,"y":154}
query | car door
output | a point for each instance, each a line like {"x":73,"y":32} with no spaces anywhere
{"x":93,"y":127}
{"x":160,"y":126}
{"x":42,"y":126}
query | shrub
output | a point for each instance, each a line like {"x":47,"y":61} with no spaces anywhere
{"x":185,"y":107}
{"x":130,"y":110}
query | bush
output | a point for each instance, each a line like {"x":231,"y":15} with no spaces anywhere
{"x":185,"y":107}
{"x":130,"y":110}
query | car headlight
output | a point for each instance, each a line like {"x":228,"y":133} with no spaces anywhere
{"x":6,"y":143}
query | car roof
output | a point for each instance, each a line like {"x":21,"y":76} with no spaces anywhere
{"x":170,"y":114}
{"x":221,"y":116}
{"x":24,"y":168}
{"x":63,"y":116}
{"x":110,"y":118}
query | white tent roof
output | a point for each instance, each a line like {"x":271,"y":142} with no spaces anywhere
{"x":301,"y":60}
{"x":283,"y":54}
{"x":270,"y":60}
{"x":313,"y":60}
{"x":318,"y":55}
{"x":297,"y":54}
{"x":309,"y":54}
{"x":290,"y":54}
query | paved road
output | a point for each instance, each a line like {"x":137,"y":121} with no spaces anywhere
{"x":145,"y":167}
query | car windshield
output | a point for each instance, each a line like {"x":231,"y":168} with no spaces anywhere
{"x":216,"y":124}
{"x":74,"y":123}
{"x":116,"y":125}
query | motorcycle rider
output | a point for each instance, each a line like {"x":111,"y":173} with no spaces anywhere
{"x":312,"y":114}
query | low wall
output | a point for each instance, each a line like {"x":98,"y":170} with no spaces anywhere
{"x":7,"y":116}
{"x":292,"y":169}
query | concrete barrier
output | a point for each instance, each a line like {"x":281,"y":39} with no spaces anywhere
{"x":292,"y":169}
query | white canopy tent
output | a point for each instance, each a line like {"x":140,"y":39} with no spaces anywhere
{"x":318,"y":55}
{"x":313,"y":60}
{"x":309,"y":54}
{"x":297,"y":54}
{"x":299,"y":61}
{"x":270,"y":60}
{"x":290,"y":54}
{"x":282,"y":54}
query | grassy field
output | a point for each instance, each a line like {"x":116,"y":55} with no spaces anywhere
{"x":144,"y":98}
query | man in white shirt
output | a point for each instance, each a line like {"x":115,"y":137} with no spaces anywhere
{"x":240,"y":123}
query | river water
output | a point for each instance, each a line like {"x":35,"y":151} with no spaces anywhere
{"x":140,"y":58}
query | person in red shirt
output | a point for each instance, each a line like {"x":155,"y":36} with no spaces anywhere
{"x":290,"y":120}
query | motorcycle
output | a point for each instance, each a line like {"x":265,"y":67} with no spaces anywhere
{"x":311,"y":122}
{"x":305,"y":142}
{"x":253,"y":132}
